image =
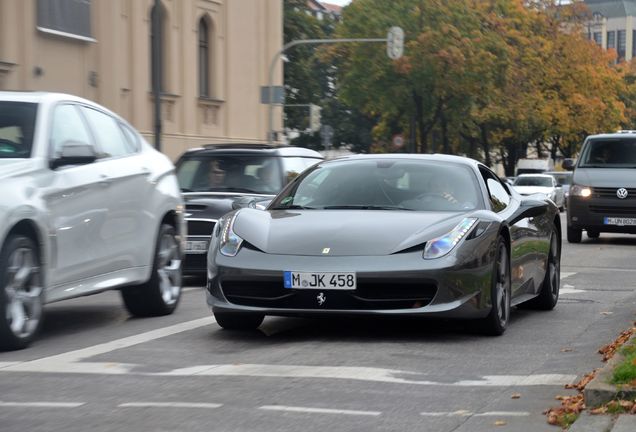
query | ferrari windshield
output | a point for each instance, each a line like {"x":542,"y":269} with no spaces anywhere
{"x":17,"y":124}
{"x":609,"y":153}
{"x":383,"y":184}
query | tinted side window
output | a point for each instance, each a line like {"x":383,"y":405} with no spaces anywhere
{"x":109,"y":136}
{"x":68,"y":127}
{"x":499,"y":196}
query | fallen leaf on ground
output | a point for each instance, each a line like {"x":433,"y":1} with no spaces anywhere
{"x":566,"y":350}
{"x":599,"y":410}
{"x":500,"y":423}
{"x":515,"y":396}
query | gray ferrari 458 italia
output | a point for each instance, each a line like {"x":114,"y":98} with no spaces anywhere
{"x":427,"y":235}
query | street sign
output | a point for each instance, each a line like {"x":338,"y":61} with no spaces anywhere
{"x":314,"y":117}
{"x":395,"y":43}
{"x":278,"y":93}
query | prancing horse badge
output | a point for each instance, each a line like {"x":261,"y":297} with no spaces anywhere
{"x":321,"y":299}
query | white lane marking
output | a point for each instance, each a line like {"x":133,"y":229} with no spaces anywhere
{"x":318,"y":410}
{"x":169,"y":405}
{"x":7,"y":364}
{"x":569,"y":289}
{"x":42,"y":404}
{"x":71,"y":361}
{"x":465,"y":413}
{"x":363,"y":374}
{"x":567,"y":274}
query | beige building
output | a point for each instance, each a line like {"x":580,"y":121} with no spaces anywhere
{"x":216,"y":56}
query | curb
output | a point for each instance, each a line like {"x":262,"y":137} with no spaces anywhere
{"x":599,"y":391}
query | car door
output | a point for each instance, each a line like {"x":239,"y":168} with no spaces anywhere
{"x":524,"y":233}
{"x":129,"y":227}
{"x":75,"y":199}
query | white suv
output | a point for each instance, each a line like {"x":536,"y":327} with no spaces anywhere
{"x":86,"y":205}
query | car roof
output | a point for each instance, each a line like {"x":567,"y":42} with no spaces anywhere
{"x":414,"y":156}
{"x":252,"y":149}
{"x":619,"y":134}
{"x":558,"y":173}
{"x":535,"y":175}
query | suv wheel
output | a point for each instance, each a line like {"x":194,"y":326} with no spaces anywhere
{"x":161,"y":294}
{"x":574,"y":235}
{"x":593,"y":234}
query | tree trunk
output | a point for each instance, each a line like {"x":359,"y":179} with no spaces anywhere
{"x":483,"y":130}
{"x":445,"y":143}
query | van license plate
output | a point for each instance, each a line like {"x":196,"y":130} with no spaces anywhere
{"x":620,"y":221}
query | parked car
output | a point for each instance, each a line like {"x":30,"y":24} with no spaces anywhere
{"x":544,"y":184}
{"x":216,"y":179}
{"x":603,"y":193}
{"x":86,"y":206}
{"x":422,"y":235}
{"x":564,"y":179}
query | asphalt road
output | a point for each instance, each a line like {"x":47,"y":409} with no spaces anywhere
{"x":96,"y":369}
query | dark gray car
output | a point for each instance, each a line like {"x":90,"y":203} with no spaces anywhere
{"x":387,"y":234}
{"x":602,"y":196}
{"x":217,"y":179}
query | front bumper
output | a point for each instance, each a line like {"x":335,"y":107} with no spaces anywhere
{"x":590,"y":213}
{"x":399,"y":284}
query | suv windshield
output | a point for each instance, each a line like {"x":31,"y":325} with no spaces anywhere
{"x":17,"y":124}
{"x":609,"y":153}
{"x":230,"y":173}
{"x":383,"y":185}
{"x":533,"y":181}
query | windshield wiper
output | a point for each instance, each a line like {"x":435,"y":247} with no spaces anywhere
{"x":365,"y":207}
{"x":294,"y":207}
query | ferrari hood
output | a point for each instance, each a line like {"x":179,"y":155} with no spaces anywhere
{"x":342,"y":232}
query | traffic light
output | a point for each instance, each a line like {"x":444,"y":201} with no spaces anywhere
{"x":314,"y":117}
{"x":395,"y":43}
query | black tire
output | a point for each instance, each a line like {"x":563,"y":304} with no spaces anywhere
{"x":160,"y":295}
{"x":549,"y":292}
{"x":21,"y":295}
{"x":593,"y":234}
{"x":497,"y":320}
{"x":238,"y":320}
{"x":574,"y":235}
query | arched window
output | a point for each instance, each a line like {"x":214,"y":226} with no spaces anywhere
{"x":205,"y":88}
{"x":158,"y":58}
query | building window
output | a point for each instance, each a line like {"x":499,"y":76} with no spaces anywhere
{"x":611,"y":39}
{"x":158,"y":60}
{"x":621,"y":47}
{"x":598,"y":38}
{"x":70,"y":18}
{"x":204,"y":58}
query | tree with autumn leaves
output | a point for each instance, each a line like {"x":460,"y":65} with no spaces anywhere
{"x":486,"y":78}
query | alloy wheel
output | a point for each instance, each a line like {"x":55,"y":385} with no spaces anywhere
{"x":23,"y":291}
{"x":554,"y":267}
{"x":502,"y":287}
{"x":169,"y":269}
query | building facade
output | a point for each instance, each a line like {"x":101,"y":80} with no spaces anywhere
{"x":613,"y":26}
{"x":215,"y":57}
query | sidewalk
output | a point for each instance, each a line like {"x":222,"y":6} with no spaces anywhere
{"x":604,"y":423}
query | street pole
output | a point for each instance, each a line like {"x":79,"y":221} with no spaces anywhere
{"x":272,"y":66}
{"x":156,"y":69}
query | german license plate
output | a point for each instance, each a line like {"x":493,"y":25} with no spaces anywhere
{"x":621,"y":221}
{"x":335,"y":281}
{"x":196,"y":247}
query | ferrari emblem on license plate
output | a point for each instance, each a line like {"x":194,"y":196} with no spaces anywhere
{"x":321,"y":299}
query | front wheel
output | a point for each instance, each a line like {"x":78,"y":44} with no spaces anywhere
{"x":161,"y":293}
{"x":497,"y":320}
{"x":549,"y":294}
{"x":574,"y":235}
{"x":21,"y":293}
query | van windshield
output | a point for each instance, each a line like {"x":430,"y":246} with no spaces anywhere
{"x":609,"y":153}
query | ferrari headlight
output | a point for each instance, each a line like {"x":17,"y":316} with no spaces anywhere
{"x":580,"y":191}
{"x":230,"y":243}
{"x":440,"y":246}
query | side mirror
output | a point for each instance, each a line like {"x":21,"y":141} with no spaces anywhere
{"x":74,"y":153}
{"x":533,"y":208}
{"x":568,"y":164}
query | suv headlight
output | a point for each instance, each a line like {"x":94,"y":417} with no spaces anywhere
{"x":440,"y":246}
{"x":580,"y":191}
{"x":230,"y":242}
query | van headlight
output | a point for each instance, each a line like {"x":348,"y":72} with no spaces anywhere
{"x":580,"y":191}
